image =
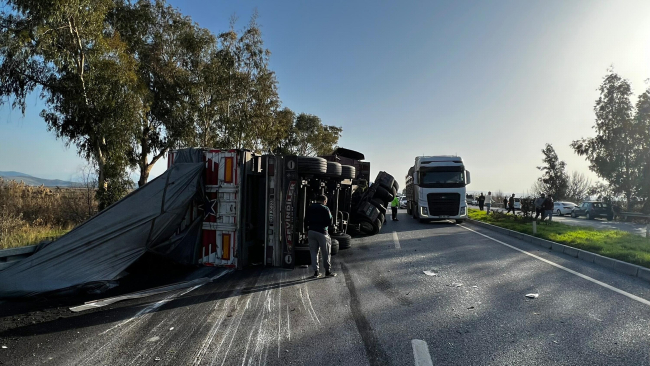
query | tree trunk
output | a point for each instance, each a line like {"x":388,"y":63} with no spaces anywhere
{"x":145,"y":167}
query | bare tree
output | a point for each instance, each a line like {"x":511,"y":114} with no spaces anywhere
{"x":579,"y":186}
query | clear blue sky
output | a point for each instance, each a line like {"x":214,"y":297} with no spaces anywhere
{"x":489,"y":81}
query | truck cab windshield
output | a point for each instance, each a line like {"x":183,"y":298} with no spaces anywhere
{"x":440,"y":179}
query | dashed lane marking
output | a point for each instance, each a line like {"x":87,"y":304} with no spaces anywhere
{"x":396,"y":240}
{"x":626,"y":294}
{"x":421,"y":353}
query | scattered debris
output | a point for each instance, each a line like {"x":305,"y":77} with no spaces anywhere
{"x":172,"y":328}
{"x":456,"y":284}
{"x":430,"y":273}
{"x":157,"y":359}
{"x":153,"y":339}
{"x":532,"y":296}
{"x":474,"y":286}
{"x":555,"y":342}
{"x":4,"y":347}
{"x":471,"y":307}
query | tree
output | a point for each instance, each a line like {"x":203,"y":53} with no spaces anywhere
{"x":554,"y":180}
{"x":308,"y":136}
{"x":642,"y":122}
{"x":165,"y":44}
{"x":614,"y":153}
{"x":65,"y":51}
{"x":578,"y":188}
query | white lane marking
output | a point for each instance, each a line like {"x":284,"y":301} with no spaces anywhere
{"x":421,"y":353}
{"x":396,"y":240}
{"x":288,"y":324}
{"x":624,"y":293}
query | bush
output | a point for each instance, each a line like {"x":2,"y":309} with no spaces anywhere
{"x":30,"y":214}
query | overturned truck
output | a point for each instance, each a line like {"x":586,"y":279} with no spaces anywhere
{"x":211,"y":207}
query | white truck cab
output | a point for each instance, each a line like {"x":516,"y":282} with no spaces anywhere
{"x":436,"y":188}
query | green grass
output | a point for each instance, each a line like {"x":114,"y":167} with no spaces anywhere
{"x":30,"y":235}
{"x":615,"y":244}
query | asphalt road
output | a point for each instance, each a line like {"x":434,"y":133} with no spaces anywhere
{"x":381,"y":309}
{"x":602,"y":224}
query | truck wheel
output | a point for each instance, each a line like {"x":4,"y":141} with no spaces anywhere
{"x":385,"y":180}
{"x":335,"y":247}
{"x":379,"y":204}
{"x":334,"y":169}
{"x":348,"y":172}
{"x":382,"y":218}
{"x":384,"y":194}
{"x":459,"y":221}
{"x":313,"y":165}
{"x":344,"y":240}
{"x":395,"y":186}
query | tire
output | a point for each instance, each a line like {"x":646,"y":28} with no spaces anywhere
{"x":343,"y":239}
{"x":379,"y":204}
{"x":383,"y":194}
{"x":366,"y":227}
{"x":382,"y":218}
{"x":313,"y":165}
{"x":334,"y":169}
{"x":573,"y":214}
{"x":559,"y":213}
{"x":378,"y":225}
{"x":588,"y":216}
{"x":334,"y":249}
{"x":385,"y":180}
{"x":395,"y":186}
{"x":348,"y":172}
{"x":408,"y":209}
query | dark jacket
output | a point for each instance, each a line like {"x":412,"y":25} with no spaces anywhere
{"x":511,"y":202}
{"x":548,"y":204}
{"x":318,"y":218}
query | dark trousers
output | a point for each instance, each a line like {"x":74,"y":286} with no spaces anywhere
{"x":394,"y":212}
{"x":537,"y":213}
{"x":511,"y":208}
{"x":480,"y":205}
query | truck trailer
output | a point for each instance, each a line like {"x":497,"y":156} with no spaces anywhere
{"x":435,"y":189}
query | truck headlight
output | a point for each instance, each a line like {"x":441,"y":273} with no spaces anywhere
{"x":462,"y":211}
{"x":425,"y":211}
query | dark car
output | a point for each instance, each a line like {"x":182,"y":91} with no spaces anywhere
{"x":593,"y":209}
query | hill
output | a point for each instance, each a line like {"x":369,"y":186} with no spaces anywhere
{"x":34,"y":181}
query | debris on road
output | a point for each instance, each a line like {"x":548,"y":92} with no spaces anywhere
{"x":456,"y":284}
{"x":172,"y":328}
{"x":153,"y":339}
{"x":157,"y":359}
{"x":430,"y":273}
{"x":4,"y":347}
{"x":471,"y":307}
{"x":532,"y":296}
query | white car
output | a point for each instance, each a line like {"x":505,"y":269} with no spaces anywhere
{"x":517,"y":203}
{"x":563,"y":208}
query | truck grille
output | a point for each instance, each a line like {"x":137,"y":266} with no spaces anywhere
{"x":446,"y":204}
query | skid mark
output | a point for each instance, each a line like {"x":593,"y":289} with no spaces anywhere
{"x":205,"y":345}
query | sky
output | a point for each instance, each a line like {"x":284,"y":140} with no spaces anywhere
{"x":492,"y":82}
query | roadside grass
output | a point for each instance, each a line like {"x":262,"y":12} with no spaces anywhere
{"x":30,"y":235}
{"x":615,"y":244}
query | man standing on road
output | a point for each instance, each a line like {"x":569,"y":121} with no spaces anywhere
{"x":488,"y":202}
{"x":393,"y":207}
{"x":511,"y":204}
{"x":538,"y":206}
{"x":318,"y":219}
{"x":481,"y":201}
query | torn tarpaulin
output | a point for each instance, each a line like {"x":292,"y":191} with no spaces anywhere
{"x":105,"y":245}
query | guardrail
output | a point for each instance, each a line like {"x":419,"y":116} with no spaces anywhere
{"x":9,"y":257}
{"x":625,"y":215}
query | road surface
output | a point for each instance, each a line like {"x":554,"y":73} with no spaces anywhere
{"x":381,"y":309}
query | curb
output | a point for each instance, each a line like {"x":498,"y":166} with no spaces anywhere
{"x":616,"y":265}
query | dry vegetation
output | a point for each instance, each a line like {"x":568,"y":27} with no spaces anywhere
{"x":29,"y":215}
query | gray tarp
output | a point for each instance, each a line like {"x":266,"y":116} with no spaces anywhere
{"x":107,"y":244}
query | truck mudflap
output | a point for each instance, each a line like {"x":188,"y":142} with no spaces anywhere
{"x":221,"y":208}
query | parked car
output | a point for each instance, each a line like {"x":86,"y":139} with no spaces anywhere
{"x":402,"y":202}
{"x":563,"y":208}
{"x":517,"y":203}
{"x":592,"y":210}
{"x":471,"y":200}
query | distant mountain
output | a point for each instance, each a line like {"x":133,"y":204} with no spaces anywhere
{"x":33,"y":181}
